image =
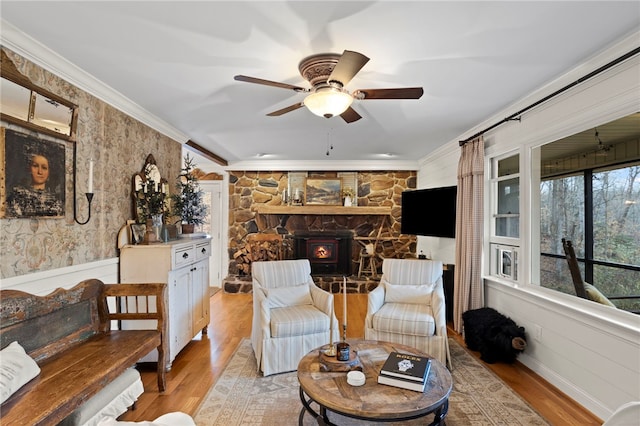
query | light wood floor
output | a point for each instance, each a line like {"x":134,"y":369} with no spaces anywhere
{"x":202,"y":361}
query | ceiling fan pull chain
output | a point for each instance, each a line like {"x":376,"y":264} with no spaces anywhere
{"x":329,"y":143}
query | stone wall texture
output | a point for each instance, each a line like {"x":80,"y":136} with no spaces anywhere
{"x":248,"y":190}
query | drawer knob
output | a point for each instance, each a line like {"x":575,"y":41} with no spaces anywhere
{"x":185,"y":255}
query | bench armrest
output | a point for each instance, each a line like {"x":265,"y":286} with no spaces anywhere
{"x":136,"y":302}
{"x":148,"y":301}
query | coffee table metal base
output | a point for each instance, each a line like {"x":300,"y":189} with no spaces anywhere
{"x":322,"y":416}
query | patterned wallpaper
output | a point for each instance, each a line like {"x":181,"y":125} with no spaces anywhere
{"x":119,"y":145}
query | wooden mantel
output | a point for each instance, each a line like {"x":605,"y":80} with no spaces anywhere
{"x":324,"y":210}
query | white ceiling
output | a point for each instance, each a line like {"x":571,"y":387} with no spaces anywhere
{"x":177,"y":60}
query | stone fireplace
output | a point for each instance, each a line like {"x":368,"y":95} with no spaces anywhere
{"x":257,"y":208}
{"x":328,"y":252}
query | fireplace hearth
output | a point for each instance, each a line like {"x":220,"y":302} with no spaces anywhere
{"x":329,"y":252}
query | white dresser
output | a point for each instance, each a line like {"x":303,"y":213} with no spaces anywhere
{"x":184,"y":266}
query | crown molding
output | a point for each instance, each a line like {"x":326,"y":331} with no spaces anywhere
{"x":12,"y":38}
{"x":324,"y":165}
{"x":615,"y":50}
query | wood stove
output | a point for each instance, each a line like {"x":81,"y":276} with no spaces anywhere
{"x":329,"y":253}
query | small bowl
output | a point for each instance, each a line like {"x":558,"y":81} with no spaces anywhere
{"x":356,"y":378}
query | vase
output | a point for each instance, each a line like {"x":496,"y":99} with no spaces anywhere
{"x":187,"y":228}
{"x":164,"y":234}
{"x":150,"y":233}
{"x":156,"y":219}
{"x":157,"y":225}
{"x":347,"y":201}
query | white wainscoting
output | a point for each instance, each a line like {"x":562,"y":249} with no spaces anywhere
{"x":588,"y":351}
{"x":42,"y":283}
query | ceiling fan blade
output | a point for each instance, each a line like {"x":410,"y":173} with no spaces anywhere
{"x":269,"y":83}
{"x":286,"y":110}
{"x":402,"y":93}
{"x":350,"y":115}
{"x":348,"y":66}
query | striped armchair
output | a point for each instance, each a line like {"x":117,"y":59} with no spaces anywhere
{"x":408,"y":307}
{"x":291,"y":315}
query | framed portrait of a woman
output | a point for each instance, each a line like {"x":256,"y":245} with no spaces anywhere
{"x":33,"y":170}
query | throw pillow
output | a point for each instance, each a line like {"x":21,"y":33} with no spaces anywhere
{"x":16,"y":369}
{"x":406,"y":293}
{"x":595,"y":295}
{"x":289,"y":296}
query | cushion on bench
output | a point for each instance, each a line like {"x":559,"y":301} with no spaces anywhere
{"x":113,"y":400}
{"x":176,"y":418}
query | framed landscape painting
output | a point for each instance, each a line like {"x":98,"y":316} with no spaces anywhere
{"x":323,"y":191}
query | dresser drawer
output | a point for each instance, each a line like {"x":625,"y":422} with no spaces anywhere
{"x":203,"y":250}
{"x":184,"y":256}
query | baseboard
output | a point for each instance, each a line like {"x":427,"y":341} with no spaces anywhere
{"x":569,"y":389}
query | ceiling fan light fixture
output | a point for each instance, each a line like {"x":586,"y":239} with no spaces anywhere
{"x":328,"y":102}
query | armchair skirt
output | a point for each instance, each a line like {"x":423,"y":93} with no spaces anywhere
{"x":408,"y":307}
{"x":291,"y":315}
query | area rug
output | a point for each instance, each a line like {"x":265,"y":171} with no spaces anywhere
{"x":242,"y":396}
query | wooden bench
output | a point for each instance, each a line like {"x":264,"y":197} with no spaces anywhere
{"x":68,"y":333}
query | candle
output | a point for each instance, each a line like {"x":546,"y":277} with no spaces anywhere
{"x":90,"y":185}
{"x":344,"y":305}
{"x":331,"y":329}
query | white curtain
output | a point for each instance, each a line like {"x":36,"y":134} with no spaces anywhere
{"x":468,"y":290}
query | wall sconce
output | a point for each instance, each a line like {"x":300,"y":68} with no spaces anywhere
{"x":88,"y":194}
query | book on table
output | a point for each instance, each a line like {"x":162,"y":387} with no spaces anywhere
{"x":406,"y":366}
{"x":405,"y":371}
{"x":402,"y":383}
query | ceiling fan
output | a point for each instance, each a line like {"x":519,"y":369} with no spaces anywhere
{"x":328,"y":74}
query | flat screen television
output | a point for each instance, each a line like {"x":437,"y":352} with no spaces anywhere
{"x":429,"y":212}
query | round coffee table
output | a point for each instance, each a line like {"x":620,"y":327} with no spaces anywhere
{"x":372,"y":401}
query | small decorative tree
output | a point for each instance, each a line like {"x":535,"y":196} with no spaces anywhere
{"x":187,"y":202}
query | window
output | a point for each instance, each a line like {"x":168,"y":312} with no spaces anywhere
{"x":616,"y":215}
{"x":598,"y":210}
{"x":507,"y":191}
{"x":505,"y":213}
